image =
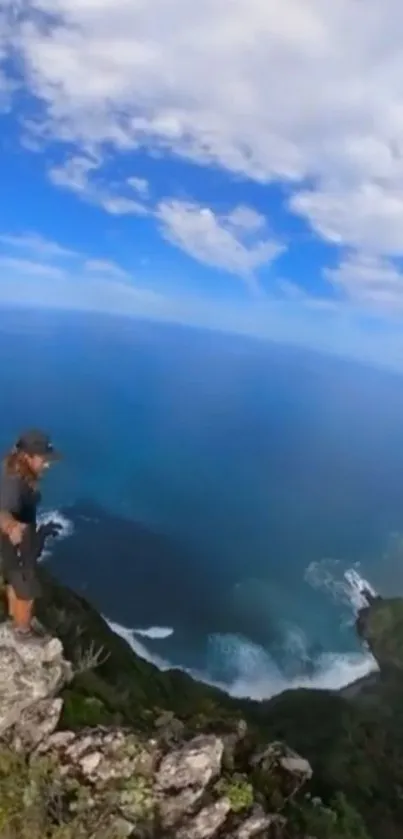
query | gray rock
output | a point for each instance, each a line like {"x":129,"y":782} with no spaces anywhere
{"x":194,"y":765}
{"x":102,"y":754}
{"x":28,"y":676}
{"x":90,"y":762}
{"x":297,"y":765}
{"x":115,"y":828}
{"x":173,"y":809}
{"x":170,"y":729}
{"x":121,"y":828}
{"x":281,"y":757}
{"x":255,"y":826}
{"x":36,"y":724}
{"x":207,"y":823}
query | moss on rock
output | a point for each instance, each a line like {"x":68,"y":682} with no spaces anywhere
{"x":239,"y":792}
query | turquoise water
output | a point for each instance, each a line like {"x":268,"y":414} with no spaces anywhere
{"x":218,"y":488}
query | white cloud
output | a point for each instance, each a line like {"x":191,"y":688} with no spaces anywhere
{"x":307,"y":89}
{"x":118,"y":205}
{"x":223,"y":242}
{"x":7,"y":84}
{"x":369,"y":217}
{"x":369,"y":280}
{"x":140,"y":185}
{"x":30,"y":268}
{"x":34,"y":243}
{"x":48,"y":259}
{"x":236,"y":242}
{"x":76,"y":174}
{"x":308,"y":93}
{"x":102,"y":267}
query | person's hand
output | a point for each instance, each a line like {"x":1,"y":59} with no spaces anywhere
{"x":16,"y":533}
{"x":50,"y":530}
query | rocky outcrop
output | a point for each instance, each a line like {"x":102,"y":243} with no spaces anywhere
{"x":31,"y":678}
{"x":183,"y":792}
{"x":119,"y":780}
{"x":380,"y":625}
{"x":109,"y":747}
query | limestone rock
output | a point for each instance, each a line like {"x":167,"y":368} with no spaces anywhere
{"x":29,"y":675}
{"x":256,"y":825}
{"x":170,"y":729}
{"x":172,"y":809}
{"x":194,"y":765}
{"x":36,"y":724}
{"x":279,"y":756}
{"x":101,"y":755}
{"x":207,"y":823}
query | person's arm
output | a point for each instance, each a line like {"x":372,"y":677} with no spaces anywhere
{"x":10,"y":500}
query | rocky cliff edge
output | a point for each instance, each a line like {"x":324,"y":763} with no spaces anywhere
{"x":97,"y":744}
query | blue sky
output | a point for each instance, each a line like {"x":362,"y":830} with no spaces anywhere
{"x":236,"y":164}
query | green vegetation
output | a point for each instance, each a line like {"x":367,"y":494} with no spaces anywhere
{"x":80,"y":711}
{"x":34,"y":803}
{"x":38,"y":802}
{"x":238,"y":791}
{"x":353,"y":742}
{"x":338,"y":820}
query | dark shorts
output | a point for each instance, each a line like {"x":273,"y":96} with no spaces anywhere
{"x":20,"y":573}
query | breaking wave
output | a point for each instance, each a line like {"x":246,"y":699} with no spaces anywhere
{"x":155,"y":632}
{"x":250,"y":669}
{"x":255,"y":674}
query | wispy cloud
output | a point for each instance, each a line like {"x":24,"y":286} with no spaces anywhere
{"x":104,"y":268}
{"x":79,"y":175}
{"x":35,"y":243}
{"x":10,"y":265}
{"x":48,"y":259}
{"x":140,"y":185}
{"x":369,"y":281}
{"x":235,"y":242}
{"x":368,"y":217}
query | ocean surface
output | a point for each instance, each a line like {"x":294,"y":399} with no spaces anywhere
{"x":223,"y":499}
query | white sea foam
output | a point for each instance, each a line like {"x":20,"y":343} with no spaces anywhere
{"x":259,"y":678}
{"x":345,"y":587}
{"x":130,"y":635}
{"x":256,"y":675}
{"x":155,"y":632}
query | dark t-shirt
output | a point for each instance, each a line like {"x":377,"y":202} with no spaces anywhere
{"x":18,"y":499}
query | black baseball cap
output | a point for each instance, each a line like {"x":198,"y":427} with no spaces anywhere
{"x":35,"y":442}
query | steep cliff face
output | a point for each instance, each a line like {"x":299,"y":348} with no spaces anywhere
{"x":380,"y":625}
{"x":108,"y":746}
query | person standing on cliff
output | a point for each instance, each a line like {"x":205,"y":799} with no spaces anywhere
{"x":21,"y":541}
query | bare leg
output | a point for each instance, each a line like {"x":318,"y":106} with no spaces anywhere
{"x":22,"y":614}
{"x":11,"y":598}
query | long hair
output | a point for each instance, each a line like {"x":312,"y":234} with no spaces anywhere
{"x":16,"y":463}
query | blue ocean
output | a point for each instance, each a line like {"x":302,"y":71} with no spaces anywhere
{"x":224,"y":500}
